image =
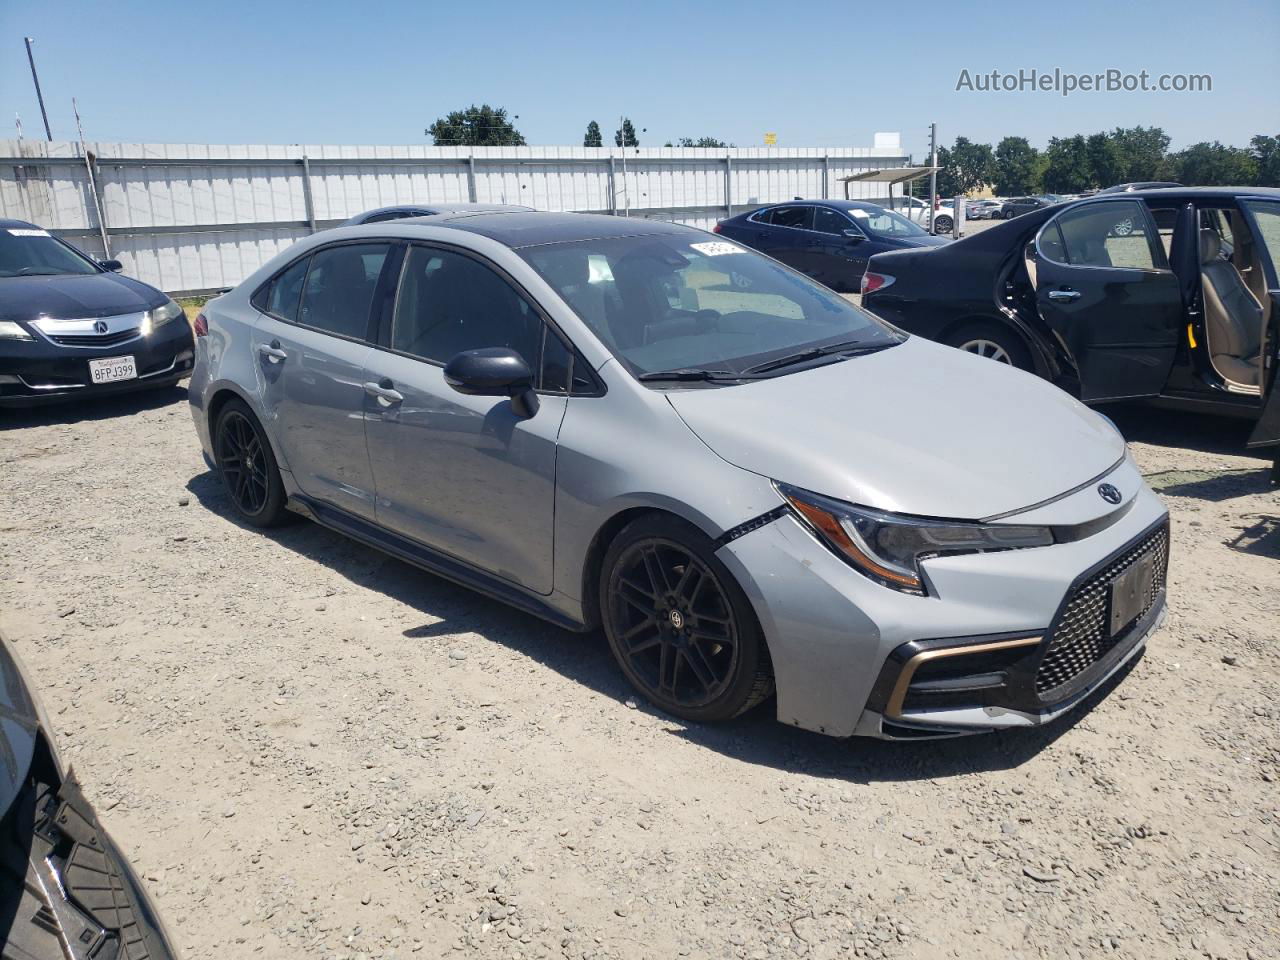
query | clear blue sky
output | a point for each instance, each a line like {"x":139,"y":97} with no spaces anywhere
{"x":818,"y":73}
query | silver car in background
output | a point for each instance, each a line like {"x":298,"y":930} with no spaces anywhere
{"x":749,"y":483}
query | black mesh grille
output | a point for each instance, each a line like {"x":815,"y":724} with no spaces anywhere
{"x":94,"y":339}
{"x":1082,"y":636}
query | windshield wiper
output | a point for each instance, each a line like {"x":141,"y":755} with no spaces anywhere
{"x":686,"y":373}
{"x":849,"y":347}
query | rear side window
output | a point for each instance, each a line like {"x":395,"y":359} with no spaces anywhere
{"x":285,"y":292}
{"x":1111,"y":234}
{"x":339,"y":288}
{"x":449,"y":303}
{"x":800,"y":217}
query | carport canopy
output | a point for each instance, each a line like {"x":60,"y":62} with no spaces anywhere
{"x":888,"y":175}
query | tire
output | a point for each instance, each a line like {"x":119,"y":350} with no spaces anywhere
{"x":942,"y":225}
{"x":680,"y":627}
{"x":994,"y":341}
{"x":257,"y":493}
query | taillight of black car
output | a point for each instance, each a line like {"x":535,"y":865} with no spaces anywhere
{"x":871,"y":282}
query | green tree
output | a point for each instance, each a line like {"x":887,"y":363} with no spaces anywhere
{"x":1213,"y":165}
{"x":593,"y":138}
{"x":1266,"y":155}
{"x":1106,"y":160}
{"x":970,"y":166}
{"x":482,"y":126}
{"x":626,"y":137}
{"x":1019,"y":170}
{"x":1142,"y":150}
{"x":700,"y":142}
{"x":1068,"y":170}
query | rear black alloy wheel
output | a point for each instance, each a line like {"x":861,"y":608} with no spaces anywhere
{"x":680,"y":628}
{"x":248,"y":467}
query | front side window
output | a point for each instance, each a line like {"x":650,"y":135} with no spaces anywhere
{"x":799,"y":217}
{"x":671,"y":302}
{"x":32,"y":252}
{"x":449,"y":303}
{"x":339,"y":288}
{"x":1266,"y":213}
{"x":826,"y":220}
{"x":1113,"y":234}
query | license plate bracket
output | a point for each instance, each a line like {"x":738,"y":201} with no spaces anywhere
{"x":1130,"y":592}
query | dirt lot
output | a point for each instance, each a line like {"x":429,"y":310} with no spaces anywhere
{"x":312,"y":750}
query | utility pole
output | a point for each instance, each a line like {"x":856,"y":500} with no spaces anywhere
{"x":36,"y":79}
{"x":933,"y":172}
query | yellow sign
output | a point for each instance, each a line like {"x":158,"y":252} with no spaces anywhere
{"x":770,"y":139}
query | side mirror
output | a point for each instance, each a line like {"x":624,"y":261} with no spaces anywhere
{"x":855,"y":236}
{"x":115,"y":266}
{"x":494,"y":372}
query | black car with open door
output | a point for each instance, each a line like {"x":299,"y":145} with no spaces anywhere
{"x":1168,"y":294}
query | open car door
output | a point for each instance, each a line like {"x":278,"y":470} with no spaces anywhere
{"x":1104,"y":287}
{"x":1263,"y":217}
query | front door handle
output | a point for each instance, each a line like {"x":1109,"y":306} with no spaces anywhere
{"x":1064,"y":295}
{"x":383,"y":393}
{"x":273,"y":353}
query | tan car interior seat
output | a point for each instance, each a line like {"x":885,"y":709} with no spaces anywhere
{"x":1233,"y":315}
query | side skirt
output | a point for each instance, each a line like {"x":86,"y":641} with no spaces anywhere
{"x":425,"y":558}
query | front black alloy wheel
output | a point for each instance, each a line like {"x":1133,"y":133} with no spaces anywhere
{"x":680,"y":627}
{"x":248,"y":466}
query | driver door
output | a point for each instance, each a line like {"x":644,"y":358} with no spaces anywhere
{"x":1105,"y":289}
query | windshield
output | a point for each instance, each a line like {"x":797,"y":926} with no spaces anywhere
{"x":29,"y":252}
{"x":665,"y":303}
{"x":886,"y":223}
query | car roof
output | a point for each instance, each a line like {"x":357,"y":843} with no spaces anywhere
{"x":5,"y":223}
{"x":833,"y":204}
{"x":527,"y":229}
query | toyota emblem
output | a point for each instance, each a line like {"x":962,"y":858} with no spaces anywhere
{"x":1109,"y":493}
{"x":100,"y":326}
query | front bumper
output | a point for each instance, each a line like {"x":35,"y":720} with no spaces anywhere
{"x":39,"y":370}
{"x":839,"y":642}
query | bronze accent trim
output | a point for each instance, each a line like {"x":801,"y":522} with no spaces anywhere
{"x":893,"y":709}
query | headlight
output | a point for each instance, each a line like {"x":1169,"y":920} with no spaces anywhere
{"x":889,"y":548}
{"x":161,"y":315}
{"x":12,"y":330}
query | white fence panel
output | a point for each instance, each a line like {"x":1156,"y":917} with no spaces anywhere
{"x":198,"y":217}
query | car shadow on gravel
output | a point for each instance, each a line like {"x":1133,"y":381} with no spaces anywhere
{"x":97,"y":408}
{"x":755,"y":738}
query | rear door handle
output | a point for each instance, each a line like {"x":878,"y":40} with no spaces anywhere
{"x":383,"y":393}
{"x":273,"y":353}
{"x":1064,"y":294}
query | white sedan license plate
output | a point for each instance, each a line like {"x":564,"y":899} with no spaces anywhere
{"x":111,"y":369}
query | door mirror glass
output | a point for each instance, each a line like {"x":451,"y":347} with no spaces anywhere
{"x":494,"y":372}
{"x":115,"y":266}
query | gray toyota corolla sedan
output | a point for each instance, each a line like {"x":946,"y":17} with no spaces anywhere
{"x":748,"y":482}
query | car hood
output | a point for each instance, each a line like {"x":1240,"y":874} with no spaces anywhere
{"x":18,"y":725}
{"x":918,"y":428}
{"x":74,"y":297}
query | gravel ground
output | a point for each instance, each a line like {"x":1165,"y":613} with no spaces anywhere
{"x":310,"y":749}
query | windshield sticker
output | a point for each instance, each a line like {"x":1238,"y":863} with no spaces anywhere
{"x":859,"y":214}
{"x":15,"y":232}
{"x":715,"y":248}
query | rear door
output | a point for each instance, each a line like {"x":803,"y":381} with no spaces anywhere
{"x":310,"y":344}
{"x":1104,"y":287}
{"x":789,"y":236}
{"x":1263,"y":217}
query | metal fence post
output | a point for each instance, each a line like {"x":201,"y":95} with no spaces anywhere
{"x":613,"y":186}
{"x":826,"y":176}
{"x":307,"y":201}
{"x":471,"y":177}
{"x":728,"y":185}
